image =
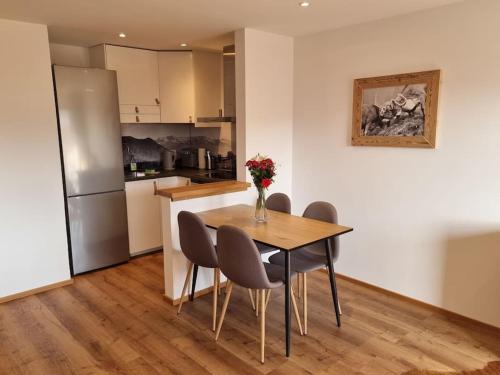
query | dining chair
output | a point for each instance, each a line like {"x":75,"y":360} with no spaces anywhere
{"x":240,"y":261}
{"x":315,"y":256}
{"x":276,"y":202}
{"x":198,"y":248}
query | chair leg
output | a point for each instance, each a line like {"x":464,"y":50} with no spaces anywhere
{"x":340,"y":310}
{"x":304,"y":300}
{"x":215,"y":293}
{"x":268,"y":297}
{"x":296,"y":311}
{"x":262,"y":324}
{"x":195,"y":275}
{"x":229,"y":289}
{"x":299,"y":287}
{"x":218,"y":281}
{"x":257,"y":298}
{"x":186,"y":283}
{"x":250,"y":294}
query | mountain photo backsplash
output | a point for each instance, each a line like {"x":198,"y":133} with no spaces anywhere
{"x":145,"y":143}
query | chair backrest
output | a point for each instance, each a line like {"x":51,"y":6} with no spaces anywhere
{"x":196,"y":243}
{"x":239,"y":258}
{"x":323,"y":211}
{"x":279,"y":202}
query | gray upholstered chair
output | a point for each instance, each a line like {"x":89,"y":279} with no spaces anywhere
{"x":240,"y":261}
{"x":314,"y":257}
{"x":198,"y":248}
{"x":276,"y":202}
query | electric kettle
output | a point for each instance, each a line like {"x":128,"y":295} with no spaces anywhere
{"x":169,"y":157}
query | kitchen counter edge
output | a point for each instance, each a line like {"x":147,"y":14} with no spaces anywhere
{"x":203,"y":190}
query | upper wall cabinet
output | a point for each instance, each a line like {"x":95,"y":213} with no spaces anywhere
{"x":208,"y":83}
{"x":176,"y":87}
{"x":138,"y":81}
{"x":164,"y":86}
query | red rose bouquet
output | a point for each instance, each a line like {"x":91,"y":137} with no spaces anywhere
{"x":262,"y":170}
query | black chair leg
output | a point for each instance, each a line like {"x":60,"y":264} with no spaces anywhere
{"x":193,"y":288}
{"x":333,"y":284}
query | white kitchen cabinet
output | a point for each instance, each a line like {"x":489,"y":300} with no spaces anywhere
{"x":129,"y":118}
{"x":144,"y":213}
{"x":139,"y":113}
{"x":164,"y":86}
{"x":176,"y":87}
{"x":137,"y":76}
{"x":208,"y":83}
{"x":137,"y":73}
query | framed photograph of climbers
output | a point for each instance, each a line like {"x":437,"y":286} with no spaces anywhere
{"x":398,"y":110}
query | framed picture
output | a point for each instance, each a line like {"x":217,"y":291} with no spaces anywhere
{"x":398,"y":110}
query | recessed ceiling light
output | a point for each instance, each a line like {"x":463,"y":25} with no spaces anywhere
{"x":122,"y":35}
{"x":304,"y":4}
{"x":184,"y":45}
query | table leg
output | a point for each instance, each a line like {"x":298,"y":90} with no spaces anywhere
{"x":287,"y":302}
{"x":333,"y":284}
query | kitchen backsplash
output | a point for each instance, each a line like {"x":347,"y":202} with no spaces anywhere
{"x":146,"y":142}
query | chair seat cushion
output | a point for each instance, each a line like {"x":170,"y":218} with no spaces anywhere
{"x":276,"y":273}
{"x":264,"y":248}
{"x":300,"y":260}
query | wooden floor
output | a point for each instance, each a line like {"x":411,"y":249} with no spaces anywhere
{"x":116,"y":321}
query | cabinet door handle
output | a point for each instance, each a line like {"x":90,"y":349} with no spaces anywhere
{"x":157,"y":101}
{"x":136,"y":109}
{"x":137,"y":119}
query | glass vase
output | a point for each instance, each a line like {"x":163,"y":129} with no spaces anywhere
{"x":260,"y":206}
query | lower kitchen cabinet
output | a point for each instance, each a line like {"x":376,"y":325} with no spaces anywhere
{"x":144,"y":213}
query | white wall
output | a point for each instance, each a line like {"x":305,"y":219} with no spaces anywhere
{"x":426,"y":221}
{"x":264,"y":101}
{"x":33,"y":246}
{"x":64,"y":54}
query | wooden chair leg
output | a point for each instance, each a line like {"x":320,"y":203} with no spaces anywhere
{"x":215,"y":293}
{"x":218,"y":281}
{"x":229,"y":289}
{"x":262,"y":324}
{"x":268,"y":297}
{"x":299,"y":287}
{"x":257,"y":298}
{"x":296,"y":311}
{"x":304,"y":301}
{"x":250,"y":294}
{"x":186,"y":283}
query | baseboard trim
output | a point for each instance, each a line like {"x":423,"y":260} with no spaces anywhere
{"x":426,"y":305}
{"x":144,"y":253}
{"x":31,"y":292}
{"x":197,"y":294}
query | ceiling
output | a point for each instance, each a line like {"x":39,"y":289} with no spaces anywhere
{"x":164,"y":24}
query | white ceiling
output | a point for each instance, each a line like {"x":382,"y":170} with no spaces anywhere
{"x":164,"y":24}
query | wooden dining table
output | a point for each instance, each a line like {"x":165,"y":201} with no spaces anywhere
{"x":282,"y":231}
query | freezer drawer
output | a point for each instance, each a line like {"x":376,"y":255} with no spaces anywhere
{"x":98,"y":228}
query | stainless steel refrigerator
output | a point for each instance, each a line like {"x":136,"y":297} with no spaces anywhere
{"x":92,"y":160}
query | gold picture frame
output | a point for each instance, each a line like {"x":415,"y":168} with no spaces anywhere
{"x":397,"y":110}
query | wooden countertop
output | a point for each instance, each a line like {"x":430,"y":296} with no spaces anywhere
{"x":180,"y":193}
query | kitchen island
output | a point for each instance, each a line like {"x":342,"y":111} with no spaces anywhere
{"x":194,"y":198}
